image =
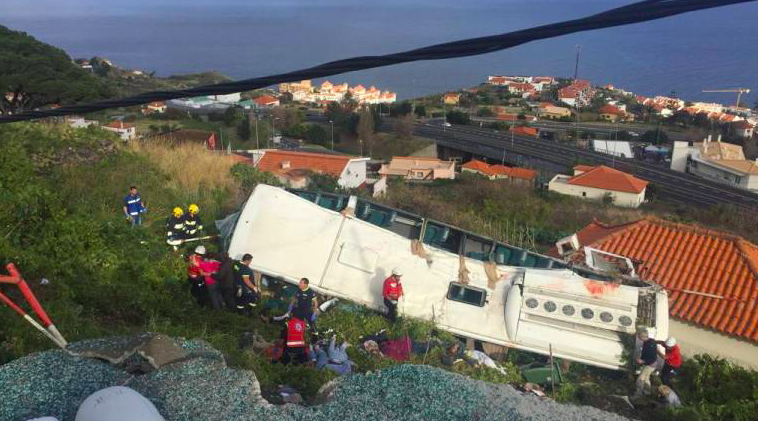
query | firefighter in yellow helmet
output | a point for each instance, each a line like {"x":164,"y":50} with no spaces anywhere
{"x":175,"y":227}
{"x":192,"y":223}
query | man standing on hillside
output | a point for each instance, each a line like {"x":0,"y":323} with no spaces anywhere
{"x":305,"y":303}
{"x":133,"y":207}
{"x":392,"y":292}
{"x":247,"y":291}
{"x":175,"y":227}
{"x":192,"y":223}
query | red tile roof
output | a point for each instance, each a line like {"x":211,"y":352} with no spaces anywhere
{"x":265,"y":100}
{"x":583,"y":168}
{"x":609,"y":109}
{"x":607,"y":178}
{"x":272,"y":161}
{"x":119,"y":125}
{"x":525,"y":131}
{"x":711,"y":277}
{"x":477,"y":165}
{"x":522,"y":173}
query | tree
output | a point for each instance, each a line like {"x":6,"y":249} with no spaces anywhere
{"x":39,"y":75}
{"x":323,"y":182}
{"x":404,"y":127}
{"x":484,"y":112}
{"x":316,"y":135}
{"x":458,"y":117}
{"x":755,"y":105}
{"x":403,"y":108}
{"x":421,"y":110}
{"x":230,"y":116}
{"x":366,"y":128}
{"x":656,"y":137}
{"x":243,"y":128}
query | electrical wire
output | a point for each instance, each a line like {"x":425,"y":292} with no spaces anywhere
{"x":641,"y":11}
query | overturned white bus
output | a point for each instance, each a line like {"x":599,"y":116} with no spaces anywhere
{"x":465,"y":283}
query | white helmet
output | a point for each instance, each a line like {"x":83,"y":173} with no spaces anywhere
{"x":200,"y":250}
{"x":671,"y":341}
{"x":397,"y":272}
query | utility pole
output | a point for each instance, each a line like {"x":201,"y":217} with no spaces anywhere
{"x":331,"y":123}
{"x":257,"y":143}
{"x":576,"y":65}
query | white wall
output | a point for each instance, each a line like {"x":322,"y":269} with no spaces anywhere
{"x":679,"y":155}
{"x":235,"y":97}
{"x":629,"y":200}
{"x":694,"y":340}
{"x":354,"y":173}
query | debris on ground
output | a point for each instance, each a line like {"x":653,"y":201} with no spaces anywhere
{"x":201,"y":387}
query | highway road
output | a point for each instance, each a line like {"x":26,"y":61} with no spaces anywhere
{"x":669,"y":184}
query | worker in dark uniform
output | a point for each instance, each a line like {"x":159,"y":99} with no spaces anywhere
{"x":175,"y":227}
{"x":305,"y":303}
{"x":192,"y":223}
{"x":293,"y":335}
{"x":247,"y":290}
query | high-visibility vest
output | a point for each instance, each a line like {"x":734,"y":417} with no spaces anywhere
{"x":192,"y":224}
{"x":175,"y":226}
{"x":295,"y":333}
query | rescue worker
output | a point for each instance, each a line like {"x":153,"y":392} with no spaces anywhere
{"x":293,"y":335}
{"x":227,"y":281}
{"x":247,"y":291}
{"x":134,"y":207}
{"x":175,"y":227}
{"x":672,"y":360}
{"x":195,"y":276}
{"x":648,"y":359}
{"x":305,"y":303}
{"x":192,"y":223}
{"x":392,"y":291}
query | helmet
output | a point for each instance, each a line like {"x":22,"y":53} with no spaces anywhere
{"x":178,"y":211}
{"x":397,"y":272}
{"x":671,"y":341}
{"x":200,"y":249}
{"x":193,"y":209}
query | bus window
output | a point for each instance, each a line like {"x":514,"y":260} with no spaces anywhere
{"x":443,"y":237}
{"x":477,"y":248}
{"x":466,"y":294}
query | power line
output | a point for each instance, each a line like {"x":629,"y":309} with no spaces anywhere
{"x":633,"y":13}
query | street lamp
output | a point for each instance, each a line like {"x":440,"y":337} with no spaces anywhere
{"x":331,"y":123}
{"x":257,"y":143}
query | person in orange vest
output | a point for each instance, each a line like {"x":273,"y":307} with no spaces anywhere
{"x":392,"y":292}
{"x":293,"y":335}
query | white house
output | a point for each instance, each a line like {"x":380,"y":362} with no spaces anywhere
{"x":235,"y":97}
{"x":125,"y":130}
{"x":294,"y":167}
{"x":597,"y":183}
{"x":80,"y":122}
{"x":716,"y":160}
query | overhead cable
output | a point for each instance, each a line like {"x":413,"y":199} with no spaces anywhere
{"x":633,"y":13}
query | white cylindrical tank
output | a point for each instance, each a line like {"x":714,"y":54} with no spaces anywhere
{"x":117,"y":403}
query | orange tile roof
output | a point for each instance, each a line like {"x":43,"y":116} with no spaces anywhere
{"x":609,"y":109}
{"x":324,"y":163}
{"x":119,"y":125}
{"x":607,"y":178}
{"x":583,"y":168}
{"x":498,"y":169}
{"x":523,"y":173}
{"x":265,"y":100}
{"x":477,"y":165}
{"x":525,"y":131}
{"x":711,"y":277}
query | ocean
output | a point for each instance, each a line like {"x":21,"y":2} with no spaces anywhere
{"x":713,"y":49}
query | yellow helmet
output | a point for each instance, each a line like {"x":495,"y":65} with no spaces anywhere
{"x":178,"y":212}
{"x":193,"y":209}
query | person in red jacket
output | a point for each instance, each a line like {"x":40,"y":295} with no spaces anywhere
{"x":672,"y":360}
{"x":392,"y":292}
{"x":293,"y":335}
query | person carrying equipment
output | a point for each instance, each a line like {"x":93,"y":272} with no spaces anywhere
{"x":192,"y":223}
{"x":293,"y":335}
{"x":392,"y":292}
{"x":247,"y":291}
{"x":175,"y":227}
{"x":134,"y":207}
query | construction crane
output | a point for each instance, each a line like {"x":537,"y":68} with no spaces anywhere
{"x":739,"y":92}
